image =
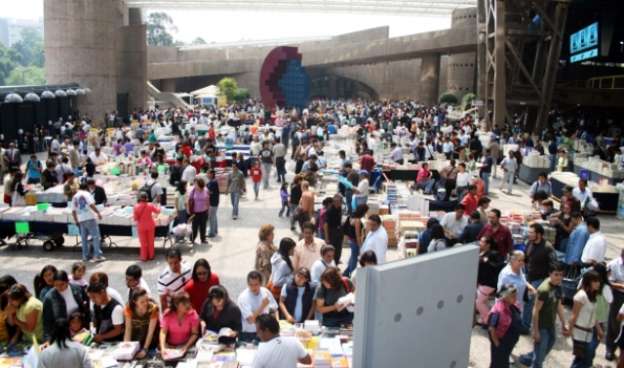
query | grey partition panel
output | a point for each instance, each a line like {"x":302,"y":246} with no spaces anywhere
{"x":416,"y":312}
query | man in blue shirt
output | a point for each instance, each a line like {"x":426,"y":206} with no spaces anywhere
{"x":576,"y":241}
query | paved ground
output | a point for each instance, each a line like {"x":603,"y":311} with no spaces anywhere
{"x":231,"y":256}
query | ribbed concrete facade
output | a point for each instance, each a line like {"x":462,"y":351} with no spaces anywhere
{"x":462,"y":67}
{"x":88,"y":42}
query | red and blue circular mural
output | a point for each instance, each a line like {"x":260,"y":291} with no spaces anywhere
{"x":284,"y":82}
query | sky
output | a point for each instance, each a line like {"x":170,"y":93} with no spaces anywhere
{"x":224,"y":26}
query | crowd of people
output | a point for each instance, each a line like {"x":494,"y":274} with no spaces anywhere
{"x":306,"y":276}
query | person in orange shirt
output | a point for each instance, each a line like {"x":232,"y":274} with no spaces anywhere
{"x":256,"y":177}
{"x":470,"y":200}
{"x":146,"y":227}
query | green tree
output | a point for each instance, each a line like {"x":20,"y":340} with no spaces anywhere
{"x":241,"y":94}
{"x":25,"y":75}
{"x":29,"y":49}
{"x":199,"y":41}
{"x":228,"y":87}
{"x":449,"y":98}
{"x":467,"y":100}
{"x":6,"y":63}
{"x":159,"y":29}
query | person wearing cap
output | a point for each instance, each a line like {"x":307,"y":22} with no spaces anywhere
{"x":504,"y":326}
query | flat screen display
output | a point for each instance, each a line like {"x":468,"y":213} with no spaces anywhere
{"x":584,"y":39}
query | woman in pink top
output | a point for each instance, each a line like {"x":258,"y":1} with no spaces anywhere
{"x":179,"y":325}
{"x":197,"y":207}
{"x":146,"y":227}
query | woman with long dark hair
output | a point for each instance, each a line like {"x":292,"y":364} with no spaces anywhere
{"x":583,"y":320}
{"x":281,"y":266}
{"x":220,"y":311}
{"x":44,"y":281}
{"x":141,"y":315}
{"x":438,"y":241}
{"x":202,"y":279}
{"x":354,"y":230}
{"x":63,"y":300}
{"x":296,"y":301}
{"x":7,"y":330}
{"x":179,"y":325}
{"x":332,"y":288}
{"x":25,"y":312}
{"x":63,"y":352}
{"x":490,"y":265}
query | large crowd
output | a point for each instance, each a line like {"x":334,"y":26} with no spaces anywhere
{"x":305,"y":277}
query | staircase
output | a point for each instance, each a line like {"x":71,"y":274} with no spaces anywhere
{"x":165,"y":100}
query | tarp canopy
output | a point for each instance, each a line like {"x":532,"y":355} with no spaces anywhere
{"x":210,"y":91}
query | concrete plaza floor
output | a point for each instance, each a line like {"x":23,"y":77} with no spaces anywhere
{"x":231,"y":256}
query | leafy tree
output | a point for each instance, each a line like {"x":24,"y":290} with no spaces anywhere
{"x":29,"y":49}
{"x":241,"y":94}
{"x":228,"y":87}
{"x":159,"y":29}
{"x":25,"y":75}
{"x":6,"y":63}
{"x":199,"y":41}
{"x":467,"y":100}
{"x":449,"y":98}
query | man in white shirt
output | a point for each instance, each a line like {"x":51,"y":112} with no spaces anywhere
{"x":376,"y":239}
{"x":173,"y":278}
{"x":596,"y":246}
{"x":189,"y":172}
{"x":397,"y":154}
{"x":84,"y":213}
{"x":97,"y":157}
{"x":277,"y":351}
{"x":320,"y":265}
{"x":454,"y":223}
{"x":108,"y":315}
{"x":254,"y":301}
{"x":509,"y":165}
{"x":584,"y":195}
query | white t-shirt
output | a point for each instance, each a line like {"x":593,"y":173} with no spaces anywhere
{"x":453,"y":225}
{"x":70,"y":302}
{"x":586,"y":317}
{"x":318,"y":267}
{"x":98,"y":159}
{"x":363,"y":187}
{"x":117,"y":316}
{"x":189,"y":173}
{"x":463,"y":179}
{"x":595,"y":248}
{"x":81,"y":203}
{"x":279,"y":352}
{"x":377,"y":241}
{"x":249,"y":302}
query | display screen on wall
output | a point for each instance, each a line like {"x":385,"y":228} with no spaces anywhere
{"x":584,"y":43}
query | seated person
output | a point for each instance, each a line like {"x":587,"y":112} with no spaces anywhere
{"x":219,"y":311}
{"x":547,"y":209}
{"x":276,"y":350}
{"x":424,"y":180}
{"x":542,"y":188}
{"x":108,"y":315}
{"x":24,"y":312}
{"x":141,"y":316}
{"x":254,"y":301}
{"x":179,"y":325}
{"x":7,"y":330}
{"x":297,"y":298}
{"x":332,"y":288}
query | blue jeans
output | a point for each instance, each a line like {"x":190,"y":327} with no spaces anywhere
{"x":527,"y":311}
{"x":266,"y":174}
{"x":212,"y":220}
{"x":541,"y":349}
{"x":256,"y":188}
{"x":90,"y":227}
{"x":235,"y":198}
{"x":486,"y":182}
{"x":353,"y":260}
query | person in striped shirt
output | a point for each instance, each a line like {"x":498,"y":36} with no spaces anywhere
{"x":173,"y":278}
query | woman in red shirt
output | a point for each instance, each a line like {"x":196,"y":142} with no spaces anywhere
{"x":256,"y":176}
{"x":146,"y":227}
{"x":202,"y":280}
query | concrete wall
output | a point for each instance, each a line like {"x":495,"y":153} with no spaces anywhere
{"x":91,"y":42}
{"x":462,"y":67}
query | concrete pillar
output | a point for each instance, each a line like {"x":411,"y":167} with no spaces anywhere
{"x":461,"y":74}
{"x":429,"y":79}
{"x":167,"y":85}
{"x":81,"y":42}
{"x":133,"y":55}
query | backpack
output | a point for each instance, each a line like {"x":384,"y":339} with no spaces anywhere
{"x":147,"y":189}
